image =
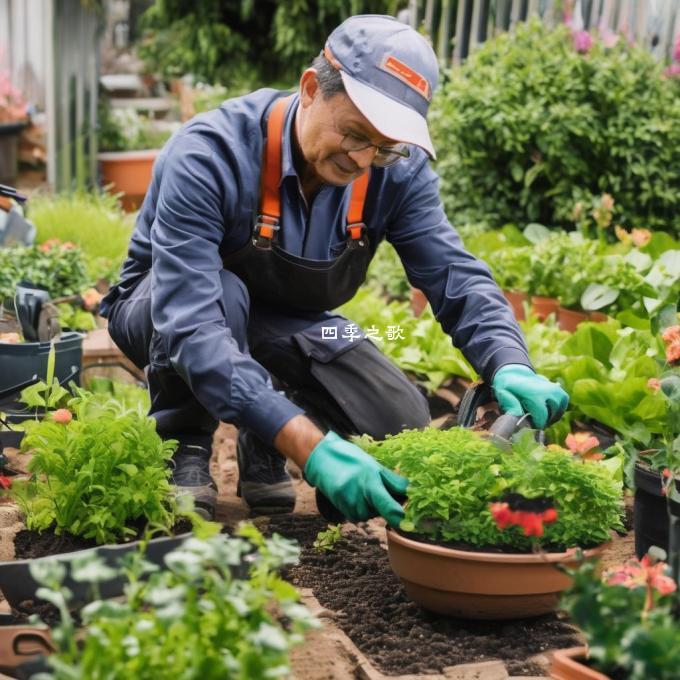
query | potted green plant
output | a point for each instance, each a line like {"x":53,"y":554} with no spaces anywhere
{"x":216,"y":609}
{"x":13,"y":119}
{"x":455,"y":552}
{"x":129,"y":144}
{"x":99,"y":474}
{"x":627,"y":619}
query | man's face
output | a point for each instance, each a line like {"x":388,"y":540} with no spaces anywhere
{"x":322,"y":124}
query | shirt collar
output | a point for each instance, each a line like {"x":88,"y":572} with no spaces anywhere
{"x":287,"y":165}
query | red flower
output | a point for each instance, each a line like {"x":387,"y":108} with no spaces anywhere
{"x":502,"y":515}
{"x":582,"y":443}
{"x":550,"y":515}
{"x":5,"y":482}
{"x":634,"y":574}
{"x":667,"y":473}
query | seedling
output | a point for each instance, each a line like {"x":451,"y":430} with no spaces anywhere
{"x":326,"y":540}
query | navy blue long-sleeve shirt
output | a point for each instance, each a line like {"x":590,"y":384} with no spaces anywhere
{"x":200,"y":206}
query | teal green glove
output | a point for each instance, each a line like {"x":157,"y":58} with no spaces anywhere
{"x":519,"y":390}
{"x":353,"y":481}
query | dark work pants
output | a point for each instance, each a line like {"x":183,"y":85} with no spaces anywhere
{"x":349,"y":387}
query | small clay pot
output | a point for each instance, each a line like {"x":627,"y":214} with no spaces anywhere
{"x":597,"y":317}
{"x":130,"y":174}
{"x":569,"y":319}
{"x":566,"y":665}
{"x":480,"y":585}
{"x":543,"y":307}
{"x":516,"y":300}
{"x":418,"y":301}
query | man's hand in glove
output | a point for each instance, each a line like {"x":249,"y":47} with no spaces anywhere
{"x":519,"y":390}
{"x":353,"y":481}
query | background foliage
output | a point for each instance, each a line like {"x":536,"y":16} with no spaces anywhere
{"x":243,"y":40}
{"x":529,"y":127}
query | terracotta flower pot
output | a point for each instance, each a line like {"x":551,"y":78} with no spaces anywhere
{"x":516,"y":300}
{"x":418,"y":301}
{"x":569,"y":319}
{"x":598,"y":317}
{"x":479,"y":585}
{"x":130,"y":174}
{"x":543,"y":307}
{"x":566,"y":665}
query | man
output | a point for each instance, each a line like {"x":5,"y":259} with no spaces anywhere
{"x":262,"y":216}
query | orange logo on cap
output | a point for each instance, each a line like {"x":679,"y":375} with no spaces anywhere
{"x":406,"y":74}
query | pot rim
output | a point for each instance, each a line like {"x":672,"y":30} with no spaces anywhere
{"x":470,"y":555}
{"x":142,"y":155}
{"x":571,"y":657}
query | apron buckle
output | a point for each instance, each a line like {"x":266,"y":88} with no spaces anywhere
{"x":356,"y":230}
{"x":263,"y":234}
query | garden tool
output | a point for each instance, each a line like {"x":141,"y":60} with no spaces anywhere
{"x":39,"y":320}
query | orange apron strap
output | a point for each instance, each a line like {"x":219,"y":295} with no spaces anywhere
{"x":357,"y":198}
{"x":270,"y":202}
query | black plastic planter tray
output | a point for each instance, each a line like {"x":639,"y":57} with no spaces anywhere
{"x":650,"y":512}
{"x":18,"y":585}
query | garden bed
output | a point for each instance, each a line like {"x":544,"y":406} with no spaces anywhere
{"x":355,"y":581}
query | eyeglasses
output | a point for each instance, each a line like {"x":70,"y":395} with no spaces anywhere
{"x":385,"y":156}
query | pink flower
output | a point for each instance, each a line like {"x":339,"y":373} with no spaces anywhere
{"x":582,"y":40}
{"x":91,"y":298}
{"x":641,"y":237}
{"x":608,"y":37}
{"x":581,"y":443}
{"x":654,"y":384}
{"x":62,"y":416}
{"x":673,"y":71}
{"x":634,"y":574}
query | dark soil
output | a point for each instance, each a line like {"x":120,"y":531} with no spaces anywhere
{"x":29,"y":544}
{"x":355,"y":581}
{"x":48,"y":613}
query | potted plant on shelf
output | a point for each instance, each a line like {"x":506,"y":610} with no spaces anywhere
{"x":454,"y":552}
{"x":13,"y":119}
{"x":129,"y":144}
{"x":627,"y":619}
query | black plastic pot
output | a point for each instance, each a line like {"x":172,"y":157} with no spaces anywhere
{"x":20,"y":361}
{"x":651,"y":513}
{"x":18,"y":585}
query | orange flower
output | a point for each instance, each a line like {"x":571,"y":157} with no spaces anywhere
{"x":68,"y":245}
{"x":11,"y":338}
{"x":607,"y":201}
{"x":671,"y":334}
{"x":673,"y":352}
{"x":581,"y":443}
{"x":91,"y":298}
{"x":622,"y":234}
{"x":641,"y":237}
{"x":62,"y":416}
{"x":654,"y":384}
{"x":49,"y":244}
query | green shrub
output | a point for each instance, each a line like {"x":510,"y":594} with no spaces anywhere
{"x":456,"y":474}
{"x":94,"y":221}
{"x":196,"y":618}
{"x":60,"y":268}
{"x":99,"y":475}
{"x":233,"y":43}
{"x":529,"y":127}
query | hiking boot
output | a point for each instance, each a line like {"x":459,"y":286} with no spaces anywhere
{"x":191,"y":475}
{"x":264,"y":485}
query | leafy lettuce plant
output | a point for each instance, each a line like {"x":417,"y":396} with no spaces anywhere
{"x":98,"y":475}
{"x":206,"y":615}
{"x":456,"y":475}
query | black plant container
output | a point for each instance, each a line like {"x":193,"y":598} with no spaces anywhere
{"x":18,"y":585}
{"x":650,"y":512}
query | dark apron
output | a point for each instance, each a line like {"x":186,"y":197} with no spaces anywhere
{"x":277,"y":278}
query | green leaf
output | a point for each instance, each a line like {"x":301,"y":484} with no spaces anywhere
{"x":597,"y":296}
